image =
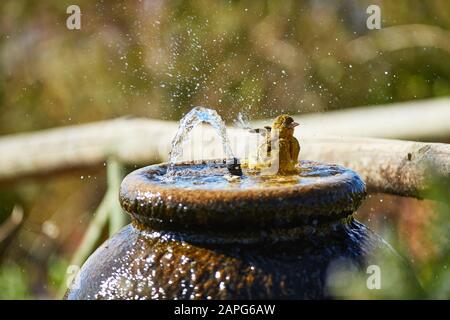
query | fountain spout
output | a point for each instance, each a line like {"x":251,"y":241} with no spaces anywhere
{"x":234,"y":167}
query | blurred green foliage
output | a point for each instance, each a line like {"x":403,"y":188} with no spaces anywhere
{"x":435,"y":272}
{"x":13,"y":282}
{"x":159,"y":58}
{"x":425,"y":279}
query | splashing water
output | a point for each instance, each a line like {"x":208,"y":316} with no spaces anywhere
{"x":193,"y":118}
{"x":242,"y":121}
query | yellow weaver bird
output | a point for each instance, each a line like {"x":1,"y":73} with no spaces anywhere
{"x":288,"y":145}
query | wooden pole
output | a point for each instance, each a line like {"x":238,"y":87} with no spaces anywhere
{"x":422,"y":120}
{"x":392,"y":166}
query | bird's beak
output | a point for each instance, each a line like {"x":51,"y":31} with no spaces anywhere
{"x":293,"y":124}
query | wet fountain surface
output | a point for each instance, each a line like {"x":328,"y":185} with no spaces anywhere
{"x":199,"y":195}
{"x":165,"y":265}
{"x":203,"y":237}
{"x":214,"y":175}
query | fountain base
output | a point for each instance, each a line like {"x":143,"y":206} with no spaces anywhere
{"x":166,"y":265}
{"x":200,"y":236}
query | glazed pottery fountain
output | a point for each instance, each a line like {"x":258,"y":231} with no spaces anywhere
{"x":197,"y":234}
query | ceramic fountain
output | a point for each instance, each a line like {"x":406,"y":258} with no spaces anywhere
{"x":197,"y":234}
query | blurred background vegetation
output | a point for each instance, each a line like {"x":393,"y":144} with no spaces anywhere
{"x":158,"y":58}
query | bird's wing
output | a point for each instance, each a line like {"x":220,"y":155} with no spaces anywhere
{"x":295,"y":149}
{"x":284,"y":151}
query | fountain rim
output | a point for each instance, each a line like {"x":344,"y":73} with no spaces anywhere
{"x":167,"y":207}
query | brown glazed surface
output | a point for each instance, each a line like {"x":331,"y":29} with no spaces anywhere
{"x":153,"y":265}
{"x":267,"y":243}
{"x":336,"y":194}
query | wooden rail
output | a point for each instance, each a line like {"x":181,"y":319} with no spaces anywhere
{"x":403,"y":168}
{"x":391,"y":166}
